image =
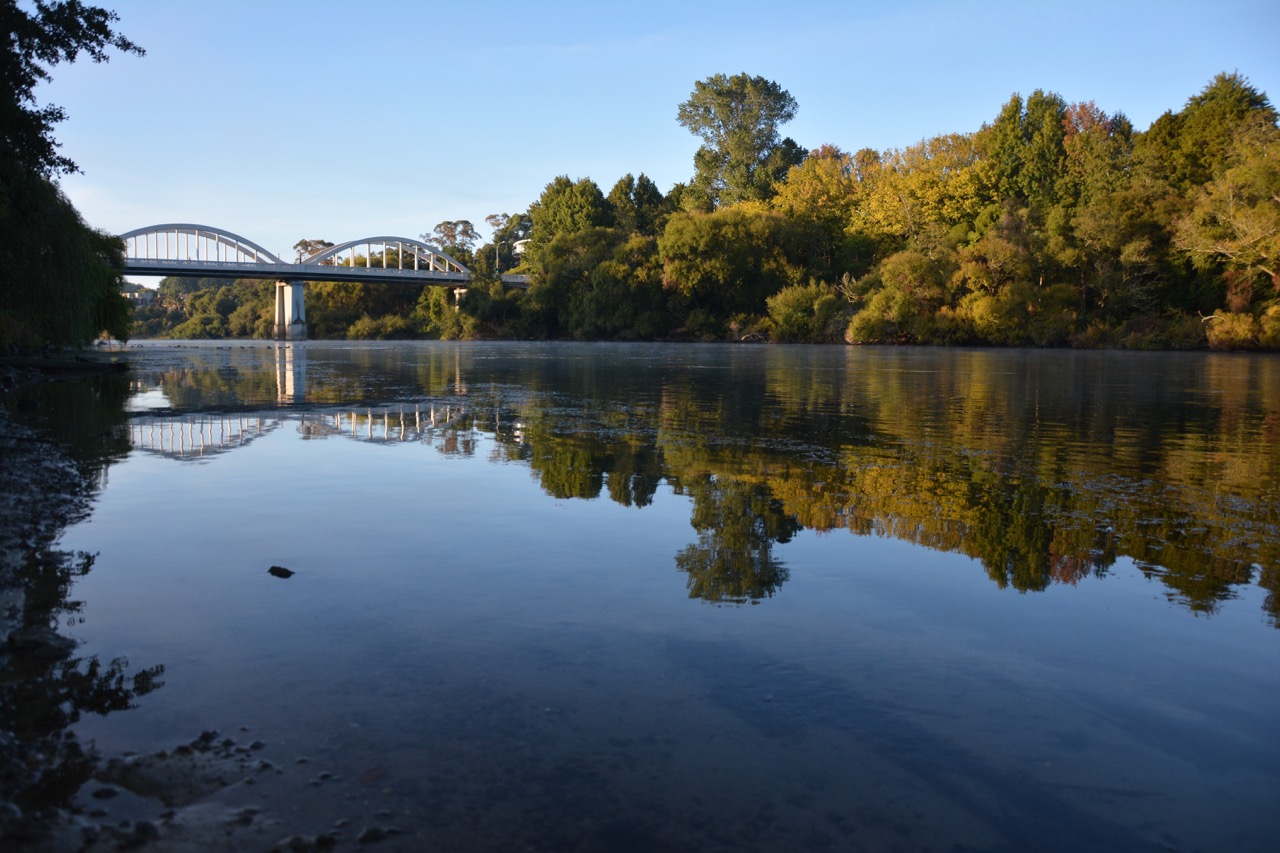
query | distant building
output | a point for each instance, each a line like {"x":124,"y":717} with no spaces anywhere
{"x":137,"y":293}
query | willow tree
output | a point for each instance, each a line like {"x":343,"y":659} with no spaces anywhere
{"x":61,"y":278}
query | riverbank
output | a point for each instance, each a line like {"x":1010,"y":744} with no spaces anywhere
{"x":43,"y":492}
{"x":43,"y":767}
{"x":61,"y":794}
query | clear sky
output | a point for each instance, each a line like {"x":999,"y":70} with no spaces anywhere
{"x":281,"y":120}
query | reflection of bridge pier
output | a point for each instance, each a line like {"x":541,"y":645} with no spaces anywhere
{"x":291,"y":311}
{"x":291,"y":369}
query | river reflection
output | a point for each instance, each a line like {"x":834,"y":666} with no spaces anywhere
{"x":46,"y":687}
{"x":1046,"y":467}
{"x":975,"y":572}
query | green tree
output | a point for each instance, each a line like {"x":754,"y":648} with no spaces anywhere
{"x":1186,"y":149}
{"x":59,"y":31}
{"x":62,"y":279}
{"x":906,"y":293}
{"x":742,"y":155}
{"x":813,"y":313}
{"x":638,"y":205}
{"x":1235,"y":219}
{"x":602,"y":283}
{"x":1024,"y":147}
{"x":729,"y":262}
{"x":1096,"y":151}
{"x":565,"y":207}
{"x":307,"y":248}
{"x":456,"y":238}
{"x":501,"y":253}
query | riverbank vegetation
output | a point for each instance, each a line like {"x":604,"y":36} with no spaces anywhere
{"x":1053,"y":224}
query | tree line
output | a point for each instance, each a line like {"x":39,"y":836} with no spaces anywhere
{"x":1053,"y":224}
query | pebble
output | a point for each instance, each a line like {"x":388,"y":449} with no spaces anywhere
{"x":370,"y":834}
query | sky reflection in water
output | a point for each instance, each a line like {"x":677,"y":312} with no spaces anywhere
{"x":709,"y":597}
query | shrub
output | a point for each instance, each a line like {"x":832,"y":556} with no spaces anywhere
{"x":1231,"y":331}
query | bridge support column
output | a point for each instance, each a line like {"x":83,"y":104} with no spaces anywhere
{"x":291,"y":311}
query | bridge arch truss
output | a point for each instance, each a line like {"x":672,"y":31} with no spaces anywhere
{"x":401,"y":253}
{"x":182,"y":241}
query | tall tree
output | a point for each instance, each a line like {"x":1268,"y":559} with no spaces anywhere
{"x":452,"y":235}
{"x":1024,"y":146}
{"x":56,"y":32}
{"x":1096,"y":150}
{"x":743,"y":154}
{"x":502,"y":250}
{"x":1187,"y":148}
{"x":1235,"y":219}
{"x":307,"y":248}
{"x":62,"y":278}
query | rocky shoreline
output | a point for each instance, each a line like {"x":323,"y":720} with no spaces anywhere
{"x":57,"y":794}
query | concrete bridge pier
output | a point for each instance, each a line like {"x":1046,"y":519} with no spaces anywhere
{"x":291,"y":311}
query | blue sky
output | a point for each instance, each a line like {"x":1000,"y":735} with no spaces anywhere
{"x":287,"y":120}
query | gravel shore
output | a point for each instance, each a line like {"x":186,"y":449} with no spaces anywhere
{"x":43,"y":767}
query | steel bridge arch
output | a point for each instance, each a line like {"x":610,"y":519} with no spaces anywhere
{"x":239,"y":247}
{"x":435,"y":260}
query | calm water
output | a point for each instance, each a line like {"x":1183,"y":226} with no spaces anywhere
{"x":581,"y":597}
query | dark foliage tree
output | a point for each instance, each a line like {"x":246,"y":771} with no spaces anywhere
{"x":36,"y":40}
{"x":62,"y":278}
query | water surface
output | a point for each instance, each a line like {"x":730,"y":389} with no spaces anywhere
{"x":578,"y":597}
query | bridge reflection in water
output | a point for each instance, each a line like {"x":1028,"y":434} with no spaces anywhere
{"x":202,"y":436}
{"x":193,"y":415}
{"x":196,"y":436}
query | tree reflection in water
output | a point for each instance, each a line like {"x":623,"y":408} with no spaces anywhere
{"x":45,"y":688}
{"x":732,"y":562}
{"x":1046,"y":467}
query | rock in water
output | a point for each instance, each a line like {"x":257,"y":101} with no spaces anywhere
{"x":280,"y":572}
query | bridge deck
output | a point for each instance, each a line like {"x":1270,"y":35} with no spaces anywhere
{"x":301,"y":272}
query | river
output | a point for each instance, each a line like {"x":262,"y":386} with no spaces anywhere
{"x":679,"y":597}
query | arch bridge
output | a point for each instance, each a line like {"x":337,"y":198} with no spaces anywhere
{"x":186,"y":249}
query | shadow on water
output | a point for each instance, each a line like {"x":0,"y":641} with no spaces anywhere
{"x":784,"y":702}
{"x":60,"y":441}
